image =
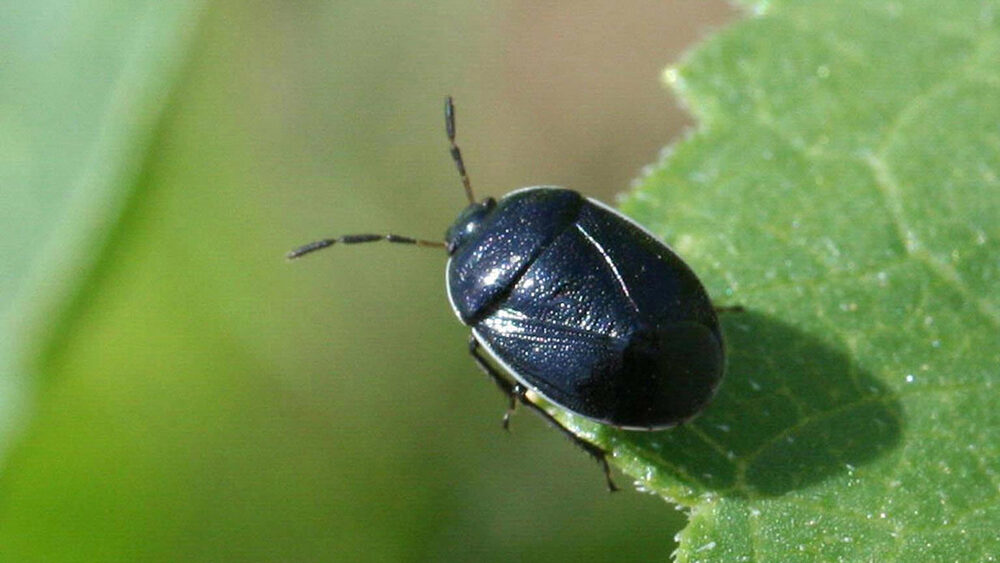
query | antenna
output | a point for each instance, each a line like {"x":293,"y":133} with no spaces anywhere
{"x":355,"y":239}
{"x":456,"y":153}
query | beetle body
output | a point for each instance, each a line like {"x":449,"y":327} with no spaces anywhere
{"x":582,"y":305}
{"x":579,"y":304}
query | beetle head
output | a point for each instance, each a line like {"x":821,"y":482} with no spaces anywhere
{"x":468,"y":223}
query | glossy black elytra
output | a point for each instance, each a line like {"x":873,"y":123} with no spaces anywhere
{"x":577,"y":303}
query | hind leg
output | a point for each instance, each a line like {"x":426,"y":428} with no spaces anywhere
{"x":518,"y":393}
{"x":720,"y":309}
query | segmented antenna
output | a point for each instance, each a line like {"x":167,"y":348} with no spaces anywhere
{"x":355,"y":239}
{"x":456,"y":153}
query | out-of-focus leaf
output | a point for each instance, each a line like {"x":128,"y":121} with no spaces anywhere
{"x":82,"y":89}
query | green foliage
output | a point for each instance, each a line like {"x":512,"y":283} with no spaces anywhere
{"x":843,"y":186}
{"x":82,"y":88}
{"x":196,"y":404}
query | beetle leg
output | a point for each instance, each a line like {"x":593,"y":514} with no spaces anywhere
{"x":720,"y":309}
{"x":517,"y":392}
{"x":511,"y":390}
{"x":594,"y":450}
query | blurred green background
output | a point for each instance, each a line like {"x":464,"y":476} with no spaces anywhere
{"x":173,"y":390}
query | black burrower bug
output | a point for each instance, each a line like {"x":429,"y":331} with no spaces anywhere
{"x":579,"y":304}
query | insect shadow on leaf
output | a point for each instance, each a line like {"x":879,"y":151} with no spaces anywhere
{"x":792,"y":412}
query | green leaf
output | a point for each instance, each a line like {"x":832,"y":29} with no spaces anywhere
{"x":844,"y":187}
{"x":82,"y":89}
